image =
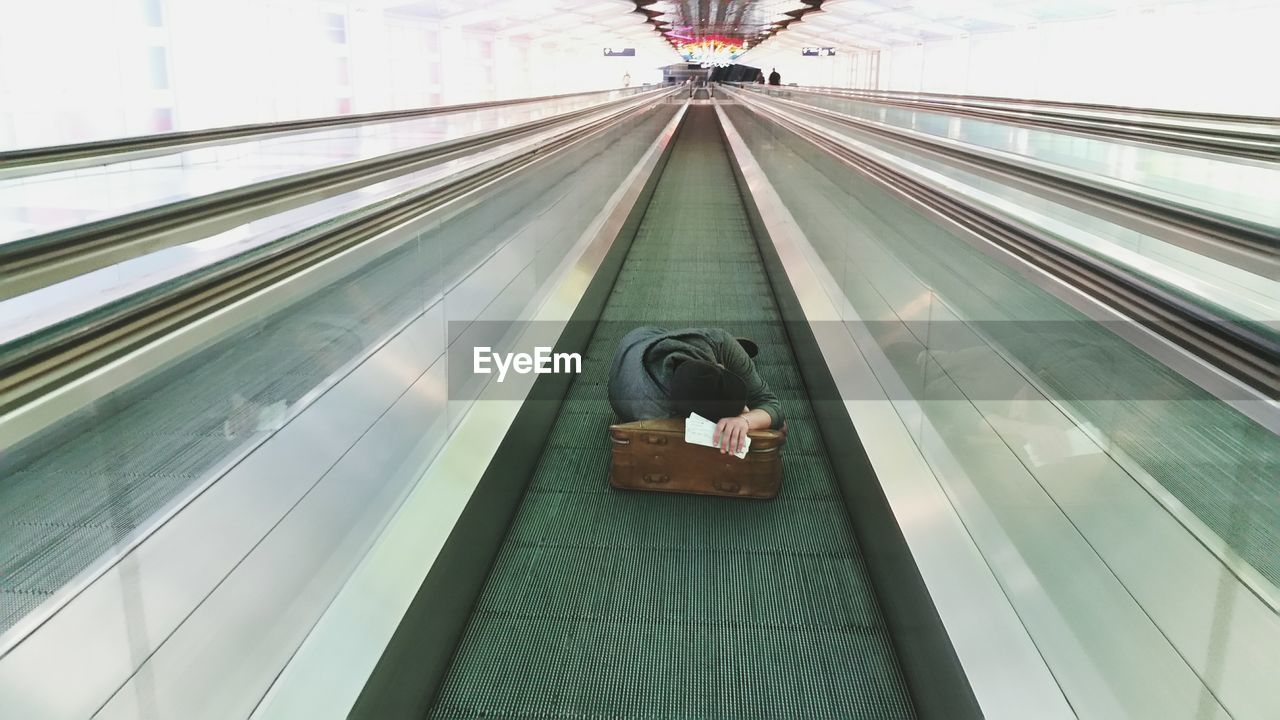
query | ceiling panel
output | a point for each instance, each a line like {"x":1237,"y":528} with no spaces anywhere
{"x":611,"y":22}
{"x":431,"y":9}
{"x":721,"y":28}
{"x":730,"y":27}
{"x":892,"y":22}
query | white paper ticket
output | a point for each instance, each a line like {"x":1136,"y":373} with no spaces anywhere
{"x":700,"y":431}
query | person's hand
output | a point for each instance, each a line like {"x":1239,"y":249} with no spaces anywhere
{"x":731,"y":434}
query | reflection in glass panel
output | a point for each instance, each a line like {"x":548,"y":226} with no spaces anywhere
{"x":162,"y":120}
{"x":337,"y":27}
{"x":158,"y":62}
{"x":153,"y":11}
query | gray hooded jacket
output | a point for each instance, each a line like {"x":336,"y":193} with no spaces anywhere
{"x":640,"y":379}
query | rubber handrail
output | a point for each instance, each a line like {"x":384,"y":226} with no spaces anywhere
{"x":1165,"y":112}
{"x":1234,"y":142}
{"x":1251,"y":237}
{"x":102,"y":148}
{"x":1239,"y":351}
{"x":78,"y":345}
{"x":118,"y":238}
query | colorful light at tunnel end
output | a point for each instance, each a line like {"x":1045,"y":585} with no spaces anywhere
{"x":712,"y":51}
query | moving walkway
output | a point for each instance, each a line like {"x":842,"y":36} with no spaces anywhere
{"x":618,"y":604}
{"x":874,"y":586}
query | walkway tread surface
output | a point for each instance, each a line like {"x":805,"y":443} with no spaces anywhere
{"x":611,"y":604}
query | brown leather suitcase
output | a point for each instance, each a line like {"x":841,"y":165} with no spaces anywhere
{"x":652,"y":455}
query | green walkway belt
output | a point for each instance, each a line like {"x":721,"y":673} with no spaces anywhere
{"x":604,"y":603}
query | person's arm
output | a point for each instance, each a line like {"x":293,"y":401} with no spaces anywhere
{"x":760,"y":399}
{"x":759,"y":396}
{"x":763,"y":409}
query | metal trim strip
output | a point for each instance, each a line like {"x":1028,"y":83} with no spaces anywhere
{"x":1019,"y":247}
{"x":1247,"y":243}
{"x":45,"y":259}
{"x":168,"y":590}
{"x":24,"y":420}
{"x":329,"y":671}
{"x":1007,"y":675}
{"x":41,"y":160}
{"x":1224,"y":659}
{"x":1202,"y":141}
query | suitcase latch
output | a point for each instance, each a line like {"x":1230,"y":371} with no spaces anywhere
{"x":657,"y":440}
{"x":656,"y":478}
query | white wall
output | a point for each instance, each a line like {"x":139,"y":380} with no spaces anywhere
{"x":849,"y":67}
{"x":77,"y":70}
{"x":1214,"y":55}
{"x":77,"y":79}
{"x":1198,"y":56}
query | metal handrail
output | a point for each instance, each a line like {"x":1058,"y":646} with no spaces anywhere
{"x":52,"y":158}
{"x":44,"y":259}
{"x":1244,"y":142}
{"x":31,"y":368}
{"x":957,"y":98}
{"x":1239,"y":351}
{"x":1240,"y":241}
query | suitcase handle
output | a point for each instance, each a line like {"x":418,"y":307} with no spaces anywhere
{"x":656,"y":478}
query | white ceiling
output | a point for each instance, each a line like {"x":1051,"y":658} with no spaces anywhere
{"x":873,"y":24}
{"x":844,"y":24}
{"x":610,"y":22}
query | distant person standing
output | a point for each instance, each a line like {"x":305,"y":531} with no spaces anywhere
{"x":775,"y":78}
{"x":626,"y":79}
